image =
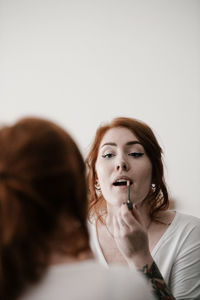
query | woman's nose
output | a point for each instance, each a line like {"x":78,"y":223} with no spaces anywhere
{"x":122,"y":165}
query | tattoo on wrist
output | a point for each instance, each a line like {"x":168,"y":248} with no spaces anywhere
{"x":160,"y":289}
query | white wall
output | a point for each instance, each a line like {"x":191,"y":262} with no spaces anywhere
{"x":81,"y":62}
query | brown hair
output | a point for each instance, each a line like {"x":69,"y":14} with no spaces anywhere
{"x":158,"y":195}
{"x":42,"y":182}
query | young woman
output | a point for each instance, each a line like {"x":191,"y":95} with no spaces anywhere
{"x":44,"y":241}
{"x":128,"y":211}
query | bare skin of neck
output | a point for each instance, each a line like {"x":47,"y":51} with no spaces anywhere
{"x":61,"y":259}
{"x":155,"y":230}
{"x":112,"y":211}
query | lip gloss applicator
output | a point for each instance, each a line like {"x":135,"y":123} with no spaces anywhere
{"x":129,"y":203}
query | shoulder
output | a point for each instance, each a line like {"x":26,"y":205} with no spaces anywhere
{"x":179,"y":219}
{"x":117,"y":282}
{"x":187,"y":220}
{"x":186,"y":230}
{"x":133,"y":283}
{"x":182,"y":228}
{"x":110,"y":281}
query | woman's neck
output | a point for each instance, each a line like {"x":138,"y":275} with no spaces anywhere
{"x":143,"y":209}
{"x":57,"y":258}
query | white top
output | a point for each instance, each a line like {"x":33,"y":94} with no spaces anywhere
{"x":177,"y":255}
{"x":89,"y":281}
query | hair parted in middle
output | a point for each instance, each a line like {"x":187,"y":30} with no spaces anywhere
{"x":158,"y":194}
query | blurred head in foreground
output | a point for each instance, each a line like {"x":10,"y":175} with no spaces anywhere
{"x":43,"y":202}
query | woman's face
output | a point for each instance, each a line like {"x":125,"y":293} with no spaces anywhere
{"x":122,"y":158}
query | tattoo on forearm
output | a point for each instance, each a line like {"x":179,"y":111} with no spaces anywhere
{"x":160,"y":289}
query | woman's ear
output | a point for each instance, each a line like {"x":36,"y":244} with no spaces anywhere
{"x":97,"y":185}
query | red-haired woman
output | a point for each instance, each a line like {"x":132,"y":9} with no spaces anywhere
{"x":44,"y":241}
{"x":128,"y":209}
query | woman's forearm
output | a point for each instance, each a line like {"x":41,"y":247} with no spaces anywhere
{"x":153,"y":275}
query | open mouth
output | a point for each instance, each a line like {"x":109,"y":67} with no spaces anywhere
{"x":121,"y":182}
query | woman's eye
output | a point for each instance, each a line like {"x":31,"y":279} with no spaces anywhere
{"x":136,"y":154}
{"x":107,"y":155}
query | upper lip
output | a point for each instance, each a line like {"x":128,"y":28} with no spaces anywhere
{"x":125,"y":178}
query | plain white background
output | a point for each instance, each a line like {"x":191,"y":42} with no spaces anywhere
{"x":83,"y":62}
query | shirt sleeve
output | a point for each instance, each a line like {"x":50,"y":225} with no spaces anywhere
{"x":185,"y":274}
{"x":129,"y":285}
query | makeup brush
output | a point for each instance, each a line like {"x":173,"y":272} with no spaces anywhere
{"x":129,"y":203}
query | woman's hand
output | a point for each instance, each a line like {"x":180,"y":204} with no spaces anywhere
{"x":132,"y":240}
{"x":131,"y":237}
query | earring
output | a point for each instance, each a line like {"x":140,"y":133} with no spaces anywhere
{"x":97,"y":186}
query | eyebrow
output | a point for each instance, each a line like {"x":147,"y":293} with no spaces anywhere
{"x":127,"y":144}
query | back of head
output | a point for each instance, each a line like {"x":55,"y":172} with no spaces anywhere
{"x":42,"y":183}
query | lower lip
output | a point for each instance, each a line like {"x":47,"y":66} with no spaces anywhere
{"x":121,"y":186}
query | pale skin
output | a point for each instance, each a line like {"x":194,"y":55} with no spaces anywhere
{"x":57,"y":258}
{"x":121,"y":156}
